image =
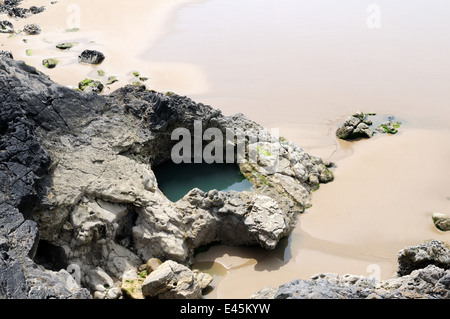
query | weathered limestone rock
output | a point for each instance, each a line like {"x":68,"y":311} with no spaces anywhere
{"x":98,"y":280}
{"x":202,"y":279}
{"x":132,"y":285}
{"x":433,"y":252}
{"x":172,"y":281}
{"x":430,"y":280}
{"x":355,"y":126}
{"x":79,"y":166}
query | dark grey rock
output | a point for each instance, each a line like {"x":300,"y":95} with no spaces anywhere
{"x":6,"y":27}
{"x":11,"y":7}
{"x":36,"y":10}
{"x":23,"y":163}
{"x":32,"y":29}
{"x":433,"y":252}
{"x":91,"y":57}
{"x":6,"y":54}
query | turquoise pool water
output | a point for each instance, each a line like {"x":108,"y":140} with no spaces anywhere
{"x":176,"y":180}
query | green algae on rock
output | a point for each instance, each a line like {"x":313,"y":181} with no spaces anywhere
{"x":66,"y":45}
{"x":112,"y":79}
{"x":91,"y":86}
{"x":50,"y":63}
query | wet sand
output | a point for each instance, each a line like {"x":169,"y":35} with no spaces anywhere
{"x":314,"y":66}
{"x":381,"y":201}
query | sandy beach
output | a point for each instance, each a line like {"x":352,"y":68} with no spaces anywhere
{"x":385,"y":189}
{"x":122,"y":32}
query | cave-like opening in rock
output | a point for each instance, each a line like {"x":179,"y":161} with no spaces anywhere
{"x":50,"y":256}
{"x":176,"y":180}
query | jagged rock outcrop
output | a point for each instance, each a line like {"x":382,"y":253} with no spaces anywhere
{"x":424,"y":272}
{"x":78,"y":167}
{"x":173,"y":281}
{"x":355,"y":126}
{"x":416,"y":257}
{"x":23,"y":162}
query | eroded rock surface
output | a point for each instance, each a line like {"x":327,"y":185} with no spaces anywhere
{"x":78,"y":167}
{"x":355,"y":126}
{"x":424,"y":272}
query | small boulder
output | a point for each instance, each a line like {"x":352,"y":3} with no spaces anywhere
{"x":6,"y":27}
{"x":65,"y":46}
{"x":6,"y":54}
{"x":355,"y":126}
{"x":441,"y":221}
{"x":171,"y":280}
{"x":91,"y":57}
{"x":50,"y":63}
{"x":36,"y":10}
{"x":389,"y":127}
{"x":98,"y":280}
{"x":32,"y":29}
{"x":152,"y":264}
{"x":132,"y":285}
{"x":203,"y":279}
{"x":91,"y":86}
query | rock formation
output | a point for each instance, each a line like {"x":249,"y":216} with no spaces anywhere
{"x":424,"y":272}
{"x":78,"y":191}
{"x":355,"y":126}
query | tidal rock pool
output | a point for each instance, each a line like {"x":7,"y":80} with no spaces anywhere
{"x":176,"y":180}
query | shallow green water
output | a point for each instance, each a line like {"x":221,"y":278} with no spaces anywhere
{"x":176,"y":180}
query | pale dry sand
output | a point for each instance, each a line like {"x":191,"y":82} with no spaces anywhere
{"x":385,"y":189}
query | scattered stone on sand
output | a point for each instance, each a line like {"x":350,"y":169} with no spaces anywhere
{"x":6,"y":54}
{"x":65,"y":46}
{"x":355,"y":126}
{"x":441,"y":221}
{"x":6,"y":27}
{"x":91,"y":57}
{"x":111,"y":80}
{"x":50,"y":63}
{"x":359,"y":126}
{"x":32,"y":29}
{"x":36,"y":10}
{"x":91,"y":86}
{"x":389,"y":127}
